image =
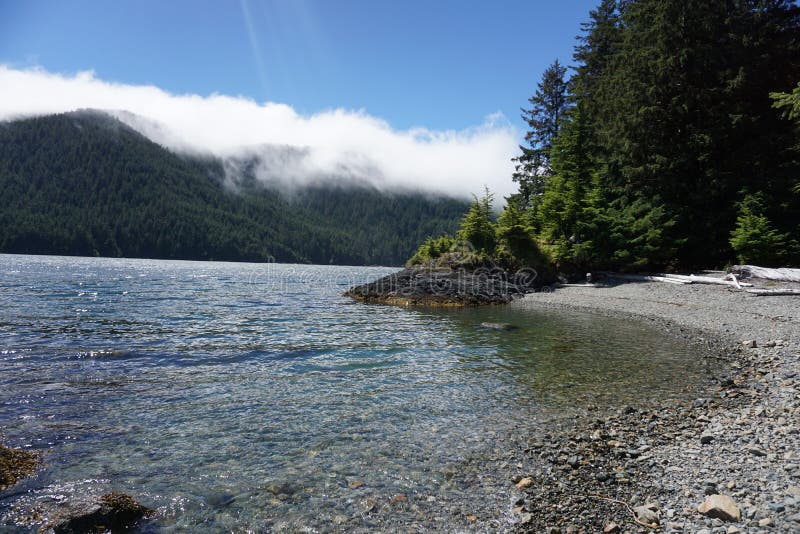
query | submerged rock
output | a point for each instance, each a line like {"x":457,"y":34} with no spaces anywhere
{"x":114,"y":512}
{"x":498,"y":326}
{"x":16,"y":464}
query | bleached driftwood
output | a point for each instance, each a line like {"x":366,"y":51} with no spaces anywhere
{"x":649,"y":278}
{"x":766,"y":273}
{"x":772,"y":292}
{"x":729,"y":280}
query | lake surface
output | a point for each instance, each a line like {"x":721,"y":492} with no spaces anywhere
{"x":254,"y":397}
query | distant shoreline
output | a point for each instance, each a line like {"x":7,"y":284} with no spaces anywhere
{"x":740,"y":440}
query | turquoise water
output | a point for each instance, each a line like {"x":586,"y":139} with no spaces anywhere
{"x":254,"y":397}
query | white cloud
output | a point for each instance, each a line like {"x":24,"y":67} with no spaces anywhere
{"x":328,"y":144}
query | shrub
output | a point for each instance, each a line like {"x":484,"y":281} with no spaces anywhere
{"x":755,"y":239}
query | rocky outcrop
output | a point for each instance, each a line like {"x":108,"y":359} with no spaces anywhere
{"x":424,"y":286}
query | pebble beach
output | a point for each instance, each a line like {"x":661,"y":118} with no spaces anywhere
{"x":725,"y":462}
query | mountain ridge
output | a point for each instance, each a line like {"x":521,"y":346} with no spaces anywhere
{"x":85,"y":183}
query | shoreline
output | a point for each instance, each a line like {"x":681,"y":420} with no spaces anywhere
{"x":639,"y":466}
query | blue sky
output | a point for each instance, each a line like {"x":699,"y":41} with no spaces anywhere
{"x":438,"y":64}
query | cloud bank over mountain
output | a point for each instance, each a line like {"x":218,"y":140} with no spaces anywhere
{"x":289,"y":147}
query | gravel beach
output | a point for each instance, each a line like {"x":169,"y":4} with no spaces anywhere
{"x":726,"y":462}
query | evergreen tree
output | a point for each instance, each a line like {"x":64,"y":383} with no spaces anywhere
{"x":756,"y":240}
{"x":563,"y":199}
{"x":789,"y":103}
{"x":548,"y":105}
{"x":598,"y":44}
{"x":477,"y":226}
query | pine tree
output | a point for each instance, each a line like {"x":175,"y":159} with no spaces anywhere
{"x":477,"y":226}
{"x":516,"y":244}
{"x":548,"y":105}
{"x":562,"y":201}
{"x":755,"y":239}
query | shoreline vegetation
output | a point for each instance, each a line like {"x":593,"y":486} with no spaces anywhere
{"x":635,"y":162}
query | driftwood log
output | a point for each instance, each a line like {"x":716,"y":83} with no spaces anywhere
{"x":766,"y":273}
{"x":731,"y":279}
{"x":772,"y":292}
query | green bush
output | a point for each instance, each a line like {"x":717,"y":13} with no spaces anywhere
{"x":432,"y":249}
{"x":755,"y":239}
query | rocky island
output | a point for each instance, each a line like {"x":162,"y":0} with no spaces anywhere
{"x":437,"y":284}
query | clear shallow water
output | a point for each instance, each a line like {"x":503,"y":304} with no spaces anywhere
{"x":254,"y":397}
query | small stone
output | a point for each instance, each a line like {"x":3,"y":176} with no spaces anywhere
{"x":400,"y":497}
{"x":472,"y":517}
{"x":573,"y":462}
{"x":705,"y":439}
{"x":750,"y":343}
{"x":778,"y":507}
{"x":355,"y":484}
{"x":755,"y":451}
{"x":730,"y":485}
{"x":734,"y":530}
{"x":368,"y":505}
{"x":610,"y":528}
{"x":524,"y":483}
{"x":720,"y":507}
{"x":646,"y":514}
{"x":764,"y":522}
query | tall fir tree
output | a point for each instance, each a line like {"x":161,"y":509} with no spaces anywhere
{"x":548,"y":105}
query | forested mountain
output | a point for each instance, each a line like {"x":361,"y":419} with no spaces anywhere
{"x":85,"y":184}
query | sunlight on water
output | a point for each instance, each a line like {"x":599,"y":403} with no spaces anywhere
{"x":252,"y":396}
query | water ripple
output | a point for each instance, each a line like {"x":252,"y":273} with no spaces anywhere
{"x":252,"y":396}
